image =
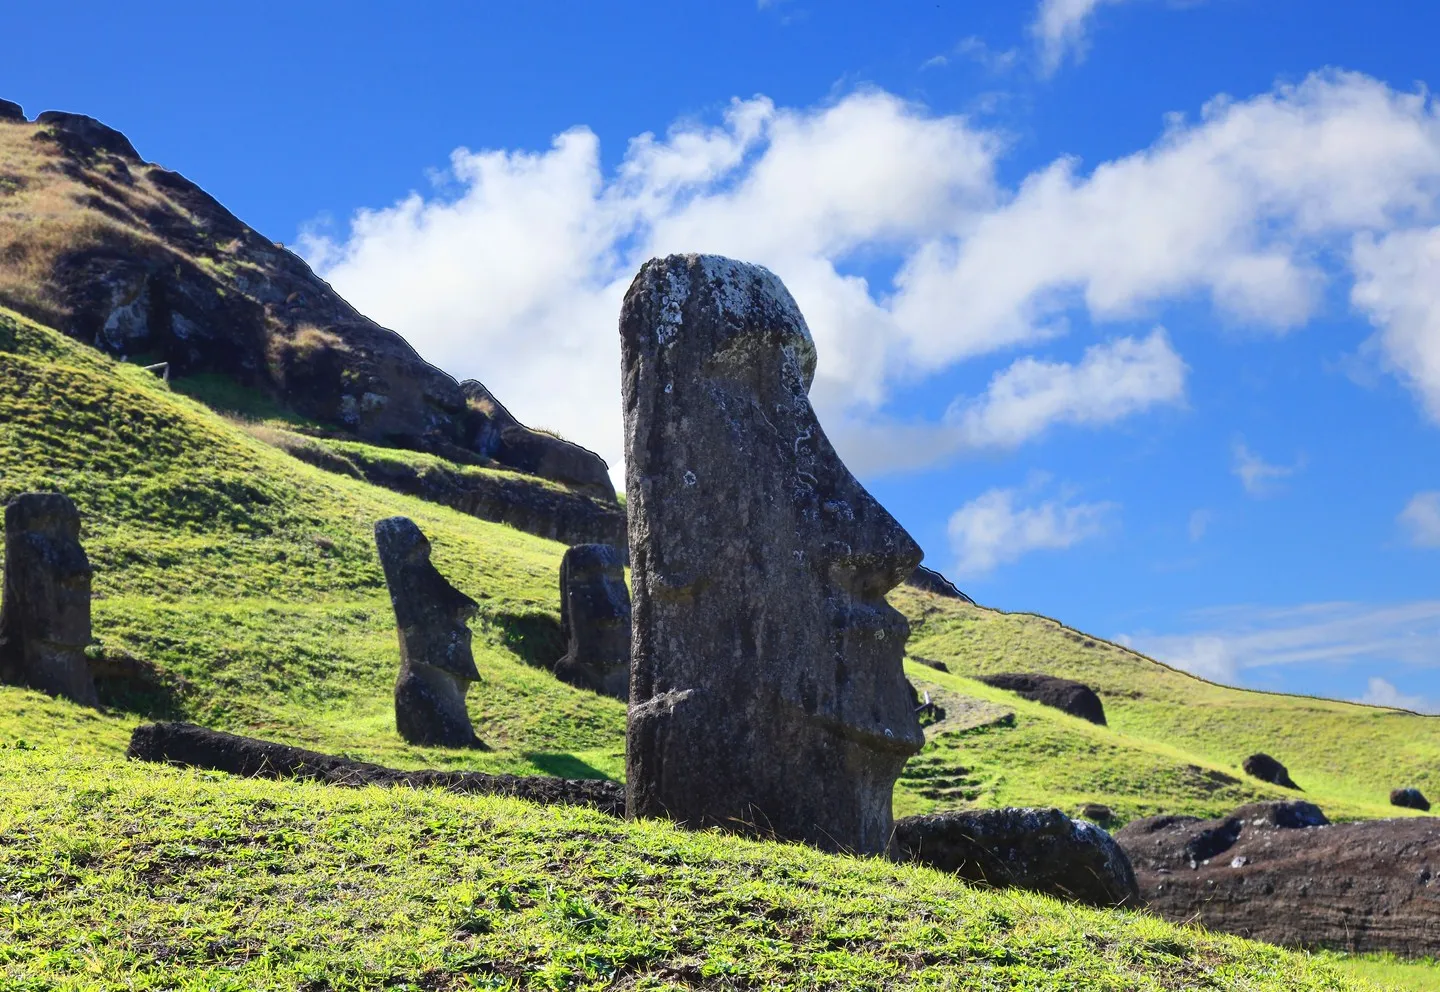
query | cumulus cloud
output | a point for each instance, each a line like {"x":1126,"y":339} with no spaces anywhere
{"x":1379,"y":692}
{"x":1234,"y":640}
{"x":1421,"y":519}
{"x":994,"y":529}
{"x":517,"y":278}
{"x":1059,"y":30}
{"x":1258,"y":476}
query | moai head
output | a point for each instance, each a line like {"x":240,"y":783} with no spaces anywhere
{"x":767,"y":691}
{"x":430,"y":613}
{"x":45,"y":618}
{"x":595,"y":620}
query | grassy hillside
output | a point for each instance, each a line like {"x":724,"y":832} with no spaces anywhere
{"x":249,"y":579}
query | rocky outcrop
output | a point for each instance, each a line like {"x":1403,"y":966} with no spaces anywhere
{"x":931,"y":581}
{"x":767,"y":693}
{"x":150,"y":264}
{"x":1042,"y":850}
{"x":1267,"y":769}
{"x":595,"y":620}
{"x":45,"y":616}
{"x":189,"y":746}
{"x":1071,"y":697}
{"x":495,"y":433}
{"x":1278,"y":872}
{"x":12,"y":112}
{"x":1409,"y":799}
{"x":436,"y":664}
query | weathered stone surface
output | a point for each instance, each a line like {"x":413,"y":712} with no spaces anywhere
{"x":495,"y":433}
{"x":1071,"y":697}
{"x":1409,"y":799}
{"x":87,"y":134}
{"x":1277,"y":872}
{"x":933,"y":582}
{"x":595,"y":620}
{"x":11,"y":111}
{"x":436,"y":664}
{"x":1038,"y":849}
{"x":1267,"y":769}
{"x":45,"y":617}
{"x":190,"y":746}
{"x":766,"y":687}
{"x":1097,"y":813}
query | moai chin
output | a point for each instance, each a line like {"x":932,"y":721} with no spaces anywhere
{"x":45,"y":617}
{"x":766,"y":688}
{"x":595,"y":620}
{"x":436,"y":663}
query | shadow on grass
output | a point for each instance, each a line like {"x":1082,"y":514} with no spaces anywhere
{"x":563,"y":765}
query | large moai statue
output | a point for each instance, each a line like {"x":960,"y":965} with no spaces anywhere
{"x":45,"y":617}
{"x":595,"y":620}
{"x":436,"y":665}
{"x":766,"y":688}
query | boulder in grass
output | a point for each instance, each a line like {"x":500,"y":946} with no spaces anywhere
{"x":1409,"y":799}
{"x":1267,"y":769}
{"x":1065,"y":695}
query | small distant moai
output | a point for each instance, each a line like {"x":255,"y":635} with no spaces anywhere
{"x":436,"y":664}
{"x":595,"y":620}
{"x":45,"y":617}
{"x":766,"y":687}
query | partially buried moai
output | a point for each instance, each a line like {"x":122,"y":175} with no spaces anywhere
{"x":45,"y":617}
{"x":766,"y":687}
{"x":436,"y":664}
{"x":595,"y":620}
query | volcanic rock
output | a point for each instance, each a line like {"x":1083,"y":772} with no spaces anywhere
{"x":436,"y":664}
{"x":45,"y":617}
{"x":11,"y":111}
{"x":1409,"y":799}
{"x":1267,"y":769}
{"x":1042,"y":850}
{"x":595,"y":620}
{"x":1097,"y":813}
{"x":495,"y":433}
{"x":933,"y":582}
{"x":1278,"y":872}
{"x":86,"y":135}
{"x":766,"y":688}
{"x":189,"y":746}
{"x":1074,"y":698}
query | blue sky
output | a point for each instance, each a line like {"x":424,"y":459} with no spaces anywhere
{"x":1129,"y":309}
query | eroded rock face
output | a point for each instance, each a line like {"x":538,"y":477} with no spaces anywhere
{"x":1038,"y":849}
{"x":932,"y":581}
{"x":766,"y":688}
{"x":1066,"y":695}
{"x":1267,"y":769}
{"x":1409,"y":799}
{"x":595,"y":620}
{"x":436,"y":664}
{"x":11,"y":111}
{"x":45,"y":617}
{"x":495,"y":433}
{"x":1279,"y":872}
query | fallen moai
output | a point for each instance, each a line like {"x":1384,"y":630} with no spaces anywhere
{"x":196,"y":747}
{"x":1042,"y":850}
{"x":436,"y":664}
{"x":595,"y":620}
{"x":1065,"y":695}
{"x":766,"y":688}
{"x":1267,"y":769}
{"x":45,"y":616}
{"x":1280,"y":873}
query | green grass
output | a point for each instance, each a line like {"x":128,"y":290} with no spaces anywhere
{"x":249,"y":579}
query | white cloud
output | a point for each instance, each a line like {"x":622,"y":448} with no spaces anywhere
{"x":1421,"y":519}
{"x":1256,"y":474}
{"x":991,"y":529}
{"x":1234,"y":640}
{"x":1059,"y":29}
{"x":517,"y":280}
{"x":1199,"y":522}
{"x":1379,"y":692}
{"x":1397,"y":285}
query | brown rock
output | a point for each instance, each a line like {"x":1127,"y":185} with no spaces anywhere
{"x":766,"y":688}
{"x":1280,"y":873}
{"x":45,"y":617}
{"x":496,"y":434}
{"x":1066,"y":695}
{"x":436,"y":664}
{"x":1042,"y":850}
{"x":1267,"y":769}
{"x":1409,"y":799}
{"x":595,"y":620}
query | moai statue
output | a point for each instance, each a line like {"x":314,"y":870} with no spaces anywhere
{"x":436,"y":666}
{"x":595,"y":620}
{"x":45,"y":617}
{"x":766,"y":689}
